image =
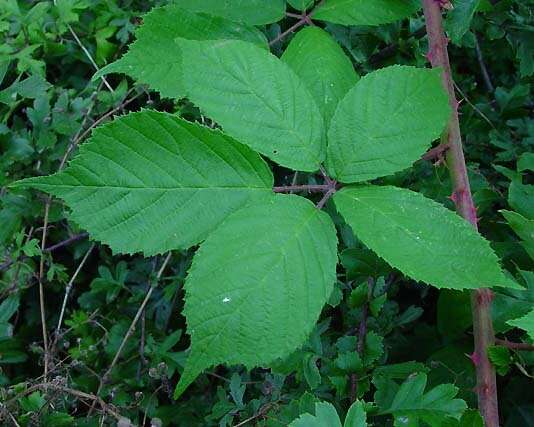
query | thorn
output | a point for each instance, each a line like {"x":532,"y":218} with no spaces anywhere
{"x":445,"y":4}
{"x":475,"y":358}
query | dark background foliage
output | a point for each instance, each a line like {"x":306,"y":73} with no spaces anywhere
{"x":48,"y":104}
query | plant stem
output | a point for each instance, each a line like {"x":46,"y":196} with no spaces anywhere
{"x":320,"y":188}
{"x":520,"y":346}
{"x":480,"y":298}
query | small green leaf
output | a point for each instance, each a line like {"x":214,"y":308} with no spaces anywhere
{"x":412,"y":403}
{"x":526,"y":323}
{"x":356,"y":417}
{"x":386,"y":122}
{"x":459,"y":19}
{"x":152,"y":182}
{"x":257,"y":99}
{"x":366,"y":12}
{"x":521,"y":198}
{"x":523,"y":227}
{"x":420,"y":237}
{"x":257,"y":285}
{"x":155,"y":58}
{"x":253,"y":12}
{"x":323,"y":67}
{"x":501,"y":358}
{"x":325,"y":416}
{"x":311,"y":371}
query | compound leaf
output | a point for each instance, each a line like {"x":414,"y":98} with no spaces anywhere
{"x":386,"y":122}
{"x":420,"y":237}
{"x":155,"y":58}
{"x":257,"y":99}
{"x":253,"y":12}
{"x":257,"y":284}
{"x":323,"y":67}
{"x":153,"y":182}
{"x":366,"y":12}
{"x":411,"y":404}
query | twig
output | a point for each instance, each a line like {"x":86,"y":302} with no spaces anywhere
{"x":362,"y":334}
{"x":392,"y":48}
{"x":66,"y":242}
{"x":485,"y":75}
{"x":133,"y":324}
{"x":69,"y":287}
{"x":41,"y":288}
{"x":304,"y":19}
{"x":325,"y":198}
{"x":480,"y":298}
{"x":105,"y":116}
{"x":88,"y":55}
{"x":436,"y":152}
{"x":82,"y":395}
{"x":522,"y":346}
{"x":291,"y":29}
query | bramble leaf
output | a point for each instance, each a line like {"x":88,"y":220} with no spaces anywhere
{"x":152,"y":182}
{"x":253,"y":12}
{"x":420,"y":237}
{"x":155,"y":58}
{"x":257,"y":99}
{"x":411,"y":404}
{"x":257,"y":285}
{"x":366,"y":12}
{"x":386,"y":122}
{"x":323,"y":67}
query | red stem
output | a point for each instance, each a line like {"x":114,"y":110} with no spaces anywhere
{"x":481,"y":298}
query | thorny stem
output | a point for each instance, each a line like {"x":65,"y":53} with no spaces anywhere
{"x":480,"y":298}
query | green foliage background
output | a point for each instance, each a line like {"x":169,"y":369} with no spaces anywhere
{"x":416,"y":334}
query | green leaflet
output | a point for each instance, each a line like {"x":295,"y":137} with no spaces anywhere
{"x":386,"y":122}
{"x":412,"y":403}
{"x":253,"y":12}
{"x":257,"y":284}
{"x":152,"y":182}
{"x":257,"y":99}
{"x":323,"y":67}
{"x":459,"y":19}
{"x":155,"y":58}
{"x":366,"y":12}
{"x":523,"y":227}
{"x":326,"y":416}
{"x":420,"y":237}
{"x":526,"y":323}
